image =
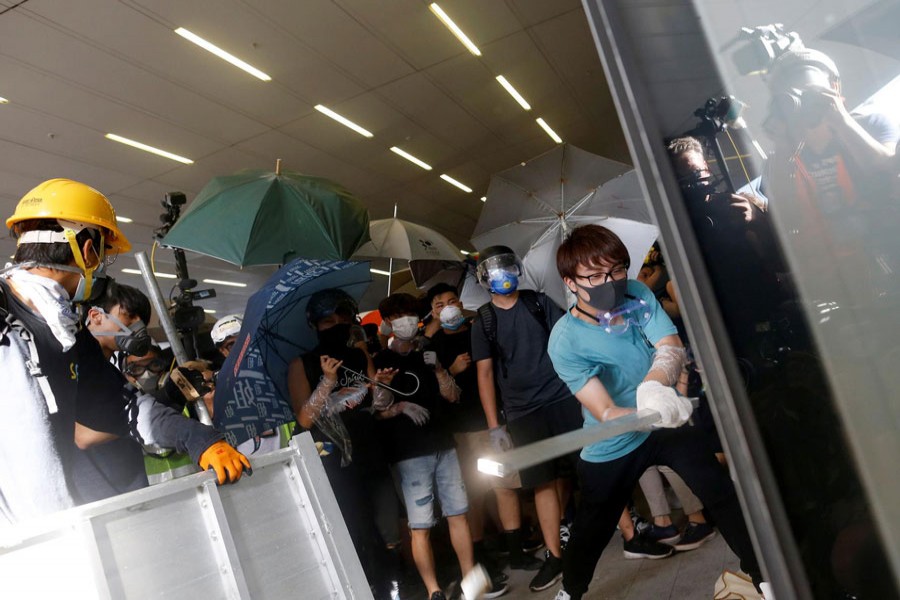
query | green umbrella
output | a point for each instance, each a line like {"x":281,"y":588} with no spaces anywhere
{"x":258,"y":217}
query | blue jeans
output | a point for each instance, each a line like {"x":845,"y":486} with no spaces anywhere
{"x":418,"y":478}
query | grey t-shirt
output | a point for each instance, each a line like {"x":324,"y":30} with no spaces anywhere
{"x":531,"y":381}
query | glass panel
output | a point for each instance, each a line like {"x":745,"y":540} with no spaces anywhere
{"x":790,"y":189}
{"x":789,"y":175}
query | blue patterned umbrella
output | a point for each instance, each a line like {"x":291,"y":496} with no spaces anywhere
{"x":251,"y":389}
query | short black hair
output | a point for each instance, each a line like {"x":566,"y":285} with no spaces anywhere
{"x":440,"y":288}
{"x":398,"y":304}
{"x":57,"y":253}
{"x":128,"y":298}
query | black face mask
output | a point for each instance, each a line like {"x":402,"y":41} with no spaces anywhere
{"x":136,"y":344}
{"x":606,"y":296}
{"x":335,"y":337}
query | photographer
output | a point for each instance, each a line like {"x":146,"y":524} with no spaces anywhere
{"x":734,"y":232}
{"x":831,"y":177}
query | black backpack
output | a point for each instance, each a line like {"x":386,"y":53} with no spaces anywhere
{"x":488,"y":316}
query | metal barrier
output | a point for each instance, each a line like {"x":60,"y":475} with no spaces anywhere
{"x":276,"y":534}
{"x":501,"y":465}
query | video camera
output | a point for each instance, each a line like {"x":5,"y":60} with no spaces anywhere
{"x":186,"y":317}
{"x":763,"y":46}
{"x":172,"y":202}
{"x":798,"y":77}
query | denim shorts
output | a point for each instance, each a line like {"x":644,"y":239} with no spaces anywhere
{"x":418,"y":479}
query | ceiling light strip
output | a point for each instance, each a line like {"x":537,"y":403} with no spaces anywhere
{"x":343,"y":121}
{"x":3,"y":100}
{"x":146,"y":148}
{"x":228,"y":283}
{"x":379,"y":272}
{"x":410,"y":158}
{"x":210,"y":47}
{"x":122,"y":219}
{"x":553,"y":135}
{"x":513,"y":92}
{"x":454,"y":29}
{"x":452,"y":181}
{"x":160,"y":275}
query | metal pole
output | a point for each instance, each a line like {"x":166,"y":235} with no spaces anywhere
{"x":391,"y":260}
{"x":516,"y":459}
{"x":162,"y":311}
{"x":723,"y":166}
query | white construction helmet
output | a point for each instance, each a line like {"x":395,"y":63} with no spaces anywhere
{"x":226,"y":327}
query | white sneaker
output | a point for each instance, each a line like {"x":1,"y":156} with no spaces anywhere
{"x":562,"y":595}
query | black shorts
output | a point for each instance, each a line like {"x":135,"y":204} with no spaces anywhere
{"x":555,"y":419}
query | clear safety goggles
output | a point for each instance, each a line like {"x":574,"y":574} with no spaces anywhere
{"x":634,"y":312}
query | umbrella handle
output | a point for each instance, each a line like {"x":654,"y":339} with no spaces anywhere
{"x":384,"y":385}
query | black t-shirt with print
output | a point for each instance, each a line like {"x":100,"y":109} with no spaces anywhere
{"x":360,"y":421}
{"x":404,"y":439}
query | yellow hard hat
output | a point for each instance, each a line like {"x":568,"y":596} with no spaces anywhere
{"x":69,"y":200}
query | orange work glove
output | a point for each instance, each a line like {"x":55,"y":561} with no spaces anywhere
{"x":227,"y":462}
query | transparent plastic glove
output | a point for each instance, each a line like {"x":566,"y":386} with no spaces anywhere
{"x":500,"y":440}
{"x":675,"y":410}
{"x":382,"y":399}
{"x":418,"y":414}
{"x":227,"y":462}
{"x":345,"y":398}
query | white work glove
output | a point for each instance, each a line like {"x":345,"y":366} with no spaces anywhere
{"x":418,"y":414}
{"x":675,"y":410}
{"x":500,"y":440}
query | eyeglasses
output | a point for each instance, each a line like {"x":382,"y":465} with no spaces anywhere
{"x":227,"y":346}
{"x":155,"y":366}
{"x":601,"y":277}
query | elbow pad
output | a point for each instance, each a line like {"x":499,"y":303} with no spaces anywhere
{"x":669,"y":360}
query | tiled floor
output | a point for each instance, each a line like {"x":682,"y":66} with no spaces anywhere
{"x":684,"y":576}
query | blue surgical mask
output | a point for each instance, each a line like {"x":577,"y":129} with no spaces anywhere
{"x":452,"y":317}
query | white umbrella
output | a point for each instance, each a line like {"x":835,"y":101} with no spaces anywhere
{"x":396,"y":238}
{"x":533,"y":206}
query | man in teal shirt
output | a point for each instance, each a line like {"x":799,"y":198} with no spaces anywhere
{"x":618,"y":352}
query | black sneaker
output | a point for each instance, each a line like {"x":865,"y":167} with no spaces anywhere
{"x":694,"y":536}
{"x":533,"y":542}
{"x":641,"y":547}
{"x":525,"y":562}
{"x":498,"y":588}
{"x":664,"y":535}
{"x":550,"y":573}
{"x":438,"y":596}
{"x":640,"y":523}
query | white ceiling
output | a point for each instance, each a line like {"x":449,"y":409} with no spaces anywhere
{"x":75,"y":70}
